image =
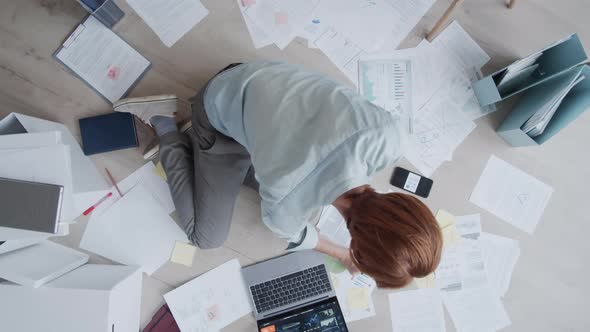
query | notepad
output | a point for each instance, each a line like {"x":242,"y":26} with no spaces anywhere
{"x":183,"y":253}
{"x":108,"y":132}
{"x":102,"y":59}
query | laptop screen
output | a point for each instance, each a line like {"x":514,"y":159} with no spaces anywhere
{"x":324,"y":316}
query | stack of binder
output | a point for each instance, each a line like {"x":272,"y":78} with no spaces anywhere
{"x":554,"y":84}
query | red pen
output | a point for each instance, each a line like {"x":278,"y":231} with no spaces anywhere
{"x":90,"y":209}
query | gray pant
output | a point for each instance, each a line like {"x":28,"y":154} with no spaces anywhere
{"x":205,"y":170}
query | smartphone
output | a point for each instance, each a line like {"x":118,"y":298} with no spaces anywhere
{"x":411,"y":182}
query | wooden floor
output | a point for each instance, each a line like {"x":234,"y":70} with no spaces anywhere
{"x":549,"y":290}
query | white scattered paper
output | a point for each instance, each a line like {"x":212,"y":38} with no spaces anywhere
{"x":170,"y":19}
{"x":210,"y":301}
{"x":84,"y":173}
{"x":102,"y":59}
{"x":29,"y":140}
{"x":135,"y":231}
{"x":258,"y":36}
{"x":476,"y":310}
{"x":439,"y":129}
{"x":342,"y":52}
{"x":448,"y":271}
{"x":457,"y":43}
{"x":407,"y":13}
{"x":40,"y":263}
{"x":511,"y":194}
{"x":500,"y":255}
{"x":365,"y":23}
{"x":333,"y":226}
{"x":281,"y":20}
{"x":417,"y":311}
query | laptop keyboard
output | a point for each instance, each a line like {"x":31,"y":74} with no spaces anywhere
{"x":290,"y":288}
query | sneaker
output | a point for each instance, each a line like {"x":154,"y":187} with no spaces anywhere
{"x":146,"y":107}
{"x":152,"y":151}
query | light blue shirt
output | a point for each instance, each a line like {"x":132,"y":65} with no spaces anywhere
{"x":310,"y":138}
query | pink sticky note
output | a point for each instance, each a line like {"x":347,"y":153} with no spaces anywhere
{"x":281,"y":18}
{"x":248,"y":3}
{"x":113,"y":72}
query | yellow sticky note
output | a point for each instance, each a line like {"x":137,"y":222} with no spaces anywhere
{"x":445,"y":219}
{"x":358,"y":298}
{"x":159,"y":171}
{"x":426,"y":282}
{"x":449,"y":231}
{"x":183,"y":253}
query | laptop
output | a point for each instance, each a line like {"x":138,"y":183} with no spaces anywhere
{"x":30,"y":206}
{"x":293,"y":293}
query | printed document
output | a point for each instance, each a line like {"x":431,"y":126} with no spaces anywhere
{"x":170,"y":19}
{"x":417,"y":311}
{"x":500,"y":255}
{"x":511,"y":194}
{"x":386,"y":81}
{"x":407,"y":13}
{"x":342,"y":52}
{"x":211,"y":301}
{"x":333,"y":226}
{"x":258,"y":36}
{"x":102,"y":59}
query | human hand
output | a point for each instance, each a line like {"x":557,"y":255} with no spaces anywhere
{"x":343,"y":255}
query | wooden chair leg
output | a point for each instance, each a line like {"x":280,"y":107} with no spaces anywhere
{"x":442,"y":22}
{"x":510,"y":3}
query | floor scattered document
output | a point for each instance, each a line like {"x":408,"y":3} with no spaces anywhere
{"x":102,"y":59}
{"x":511,"y":194}
{"x":135,"y":230}
{"x":170,"y":19}
{"x":201,"y":305}
{"x":417,"y":311}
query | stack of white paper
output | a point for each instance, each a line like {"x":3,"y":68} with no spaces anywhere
{"x":38,"y":157}
{"x":354,"y":293}
{"x":35,"y":265}
{"x":211,"y":301}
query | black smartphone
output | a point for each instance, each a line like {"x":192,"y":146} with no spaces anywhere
{"x":411,"y":182}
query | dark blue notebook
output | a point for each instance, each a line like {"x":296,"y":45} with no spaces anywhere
{"x":109,"y":132}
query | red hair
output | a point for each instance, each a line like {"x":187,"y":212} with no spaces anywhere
{"x":395,"y":237}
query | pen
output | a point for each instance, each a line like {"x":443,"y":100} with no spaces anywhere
{"x":90,"y":209}
{"x":113,"y":182}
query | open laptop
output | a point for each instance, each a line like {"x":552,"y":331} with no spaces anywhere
{"x":293,"y":293}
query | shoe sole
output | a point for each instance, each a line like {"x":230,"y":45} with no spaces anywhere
{"x":138,"y":100}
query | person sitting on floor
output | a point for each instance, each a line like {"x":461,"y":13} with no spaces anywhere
{"x":304,"y":141}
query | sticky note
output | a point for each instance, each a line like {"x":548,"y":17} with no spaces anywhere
{"x":446,"y":221}
{"x":358,"y":298}
{"x":426,"y":282}
{"x":183,"y":253}
{"x":281,"y":18}
{"x":335,"y":280}
{"x":248,"y":3}
{"x":159,"y":171}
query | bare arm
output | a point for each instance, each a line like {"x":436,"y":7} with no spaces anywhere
{"x":342,"y":254}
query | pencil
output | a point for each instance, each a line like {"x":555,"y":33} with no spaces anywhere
{"x":113,"y":182}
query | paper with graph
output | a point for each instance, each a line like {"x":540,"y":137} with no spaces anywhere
{"x":211,"y":301}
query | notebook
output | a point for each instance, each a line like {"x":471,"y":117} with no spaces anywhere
{"x":109,"y":132}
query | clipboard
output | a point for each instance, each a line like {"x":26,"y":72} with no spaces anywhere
{"x":112,"y":80}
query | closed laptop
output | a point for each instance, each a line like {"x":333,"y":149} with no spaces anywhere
{"x":30,"y":205}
